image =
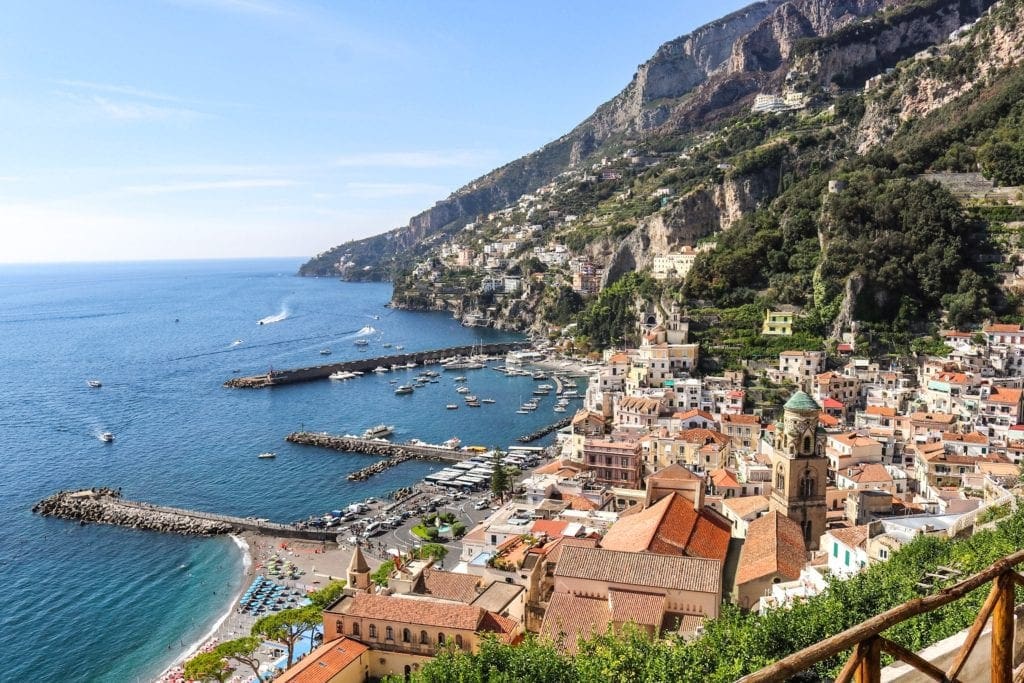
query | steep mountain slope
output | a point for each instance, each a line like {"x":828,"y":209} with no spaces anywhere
{"x":690,"y":84}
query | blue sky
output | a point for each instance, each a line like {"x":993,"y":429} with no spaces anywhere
{"x":238,"y":128}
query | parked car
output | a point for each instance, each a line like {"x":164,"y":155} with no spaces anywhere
{"x":481,"y":504}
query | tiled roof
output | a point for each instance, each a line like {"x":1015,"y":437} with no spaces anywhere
{"x":826,"y":420}
{"x":881,"y":411}
{"x":865,"y":473}
{"x":552,"y":527}
{"x":689,"y":623}
{"x":969,"y":437}
{"x":774,"y":545}
{"x":507,"y":630}
{"x":933,"y":417}
{"x":569,"y":618}
{"x":579,"y":503}
{"x":674,"y":472}
{"x":851,"y":537}
{"x":448,"y":585}
{"x":694,"y":412}
{"x":325,"y":662}
{"x":703,"y":436}
{"x":618,"y":358}
{"x":644,"y":609}
{"x":854,"y":439}
{"x":723,"y":478}
{"x":675,"y":572}
{"x":1002,"y":327}
{"x":746,"y":505}
{"x":830,"y":402}
{"x":1005,"y":395}
{"x":640,"y":404}
{"x":413,"y":611}
{"x":952,"y":377}
{"x":358,"y":564}
{"x":671,"y":527}
{"x":742,"y":419}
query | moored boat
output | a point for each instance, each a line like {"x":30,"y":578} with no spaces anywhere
{"x":95,"y":383}
{"x":404,"y":389}
{"x":379,"y":431}
{"x":266,"y":456}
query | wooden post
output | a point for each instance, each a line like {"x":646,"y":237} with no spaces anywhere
{"x":1002,"y":631}
{"x":870,"y":669}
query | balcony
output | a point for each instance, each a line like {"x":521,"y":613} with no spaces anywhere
{"x":958,"y":658}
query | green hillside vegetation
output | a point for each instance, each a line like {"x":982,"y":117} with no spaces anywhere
{"x":738,"y":643}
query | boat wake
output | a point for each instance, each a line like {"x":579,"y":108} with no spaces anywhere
{"x":237,"y":342}
{"x":278,"y":317}
{"x":364,"y":331}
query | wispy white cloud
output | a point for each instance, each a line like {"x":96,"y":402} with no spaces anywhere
{"x":383,"y":190}
{"x":413,"y":159}
{"x":210,"y":185}
{"x":241,"y":6}
{"x":124,"y":110}
{"x":116,"y":89}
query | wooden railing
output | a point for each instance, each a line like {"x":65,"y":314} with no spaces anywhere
{"x":864,"y":663}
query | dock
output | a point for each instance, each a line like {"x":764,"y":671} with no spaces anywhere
{"x":273,"y":378}
{"x":394,"y":451}
{"x":106,"y":506}
{"x":544,"y":431}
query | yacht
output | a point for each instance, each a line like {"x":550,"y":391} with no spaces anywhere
{"x":404,"y":389}
{"x":453,"y":442}
{"x":95,"y":383}
{"x":361,"y":342}
{"x":325,"y":352}
{"x":460,"y":378}
{"x":471,"y":399}
{"x":559,"y":409}
{"x":380,"y":369}
{"x":463,"y":390}
{"x":107,"y":437}
{"x":452,"y":406}
{"x":267,"y":456}
{"x":378,"y":432}
{"x":473,"y":404}
{"x":342,"y":375}
{"x":487,"y":400}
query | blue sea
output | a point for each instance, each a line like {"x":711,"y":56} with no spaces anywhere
{"x":94,"y":603}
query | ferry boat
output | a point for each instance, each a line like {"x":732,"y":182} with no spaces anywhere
{"x":361,"y":342}
{"x":267,"y":456}
{"x":404,"y":389}
{"x":107,"y":437}
{"x":378,"y":432}
{"x":95,"y":383}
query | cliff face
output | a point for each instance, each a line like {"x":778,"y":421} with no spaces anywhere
{"x":689,"y":83}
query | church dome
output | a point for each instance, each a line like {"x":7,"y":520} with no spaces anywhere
{"x":801,"y":402}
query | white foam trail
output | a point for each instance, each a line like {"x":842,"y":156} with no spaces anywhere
{"x":278,"y":317}
{"x":237,"y":342}
{"x":194,"y":647}
{"x":363,"y":331}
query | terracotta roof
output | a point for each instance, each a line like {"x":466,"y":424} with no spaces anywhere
{"x":694,"y":412}
{"x":552,"y":527}
{"x":689,"y":623}
{"x":881,"y":411}
{"x":412,"y":611}
{"x":325,"y":662}
{"x":746,"y":505}
{"x":723,"y":478}
{"x":1002,"y":327}
{"x":1005,"y":395}
{"x":582,"y":415}
{"x":774,"y":545}
{"x":640,"y":404}
{"x":507,"y":630}
{"x":644,"y":609}
{"x":852,"y":537}
{"x":854,"y":439}
{"x":793,"y":353}
{"x":569,"y":618}
{"x":952,"y":458}
{"x":674,"y":472}
{"x":674,"y":572}
{"x":618,"y":358}
{"x":969,"y":437}
{"x":671,"y":527}
{"x":864,"y":473}
{"x":448,"y":585}
{"x":933,"y":417}
{"x":830,"y":402}
{"x":827,"y":420}
{"x":579,"y":503}
{"x":952,"y":377}
{"x":555,"y":466}
{"x":742,"y":419}
{"x":703,"y":436}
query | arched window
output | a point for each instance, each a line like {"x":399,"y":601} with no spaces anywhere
{"x":424,"y":638}
{"x":355,"y":628}
{"x":373,"y":630}
{"x":780,"y":479}
{"x":389,"y":633}
{"x":807,"y":486}
{"x":406,"y":635}
{"x":440,"y":639}
{"x":458,"y":639}
{"x":807,"y":443}
{"x":339,"y":626}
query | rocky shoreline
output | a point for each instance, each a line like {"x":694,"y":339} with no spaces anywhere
{"x":104,"y":506}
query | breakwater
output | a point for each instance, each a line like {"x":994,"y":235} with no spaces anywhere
{"x":391,"y":451}
{"x":273,"y":378}
{"x":105,"y":506}
{"x":544,"y":431}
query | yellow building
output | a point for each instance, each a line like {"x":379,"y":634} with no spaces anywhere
{"x":778,"y":323}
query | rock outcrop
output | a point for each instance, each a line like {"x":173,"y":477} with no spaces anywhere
{"x":104,"y":506}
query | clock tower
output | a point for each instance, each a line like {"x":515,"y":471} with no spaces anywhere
{"x":799,"y":468}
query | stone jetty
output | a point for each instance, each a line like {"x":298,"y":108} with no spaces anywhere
{"x":104,"y":506}
{"x":391,"y":451}
{"x":379,"y":466}
{"x":533,"y":436}
{"x":273,"y":378}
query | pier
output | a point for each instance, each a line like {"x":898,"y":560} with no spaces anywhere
{"x":399,"y":452}
{"x":105,"y":506}
{"x":544,"y":431}
{"x":275,"y":378}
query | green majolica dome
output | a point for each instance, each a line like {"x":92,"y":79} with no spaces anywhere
{"x":800,"y":401}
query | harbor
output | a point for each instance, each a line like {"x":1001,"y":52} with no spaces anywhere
{"x":273,"y":378}
{"x":355,"y":444}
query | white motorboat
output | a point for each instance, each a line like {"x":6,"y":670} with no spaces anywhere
{"x":325,"y":352}
{"x":95,"y":383}
{"x":266,"y":456}
{"x":463,"y":390}
{"x":404,"y":389}
{"x":107,"y":437}
{"x":361,"y":342}
{"x":378,"y":432}
{"x":452,"y":406}
{"x":380,"y":369}
{"x":341,"y":375}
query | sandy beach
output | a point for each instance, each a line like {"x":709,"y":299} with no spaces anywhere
{"x":321,"y":563}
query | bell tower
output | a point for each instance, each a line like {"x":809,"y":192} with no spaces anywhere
{"x":800,"y":469}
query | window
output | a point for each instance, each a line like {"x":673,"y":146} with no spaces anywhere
{"x":780,"y":480}
{"x":846,"y":559}
{"x":373,"y":630}
{"x":835,"y":550}
{"x":406,"y":635}
{"x":389,"y":633}
{"x":440,"y":638}
{"x":883,"y":553}
{"x":424,"y":638}
{"x":339,"y":626}
{"x":458,"y":640}
{"x":355,"y":628}
{"x":807,"y":486}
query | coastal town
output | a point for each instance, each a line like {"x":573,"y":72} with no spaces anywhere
{"x":668,"y":497}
